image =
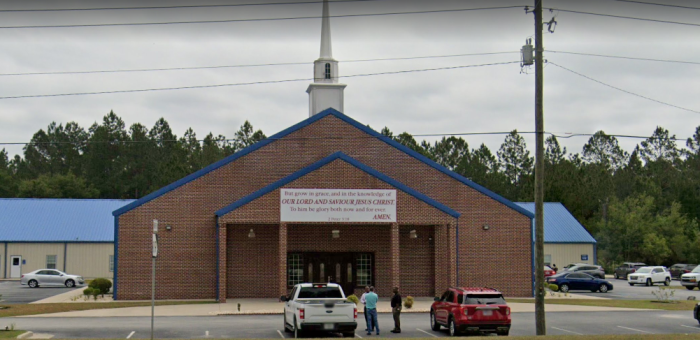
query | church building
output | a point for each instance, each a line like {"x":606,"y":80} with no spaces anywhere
{"x":325,"y":200}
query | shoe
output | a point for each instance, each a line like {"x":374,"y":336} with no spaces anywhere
{"x":395,"y":331}
{"x":377,"y":333}
{"x":368,"y":333}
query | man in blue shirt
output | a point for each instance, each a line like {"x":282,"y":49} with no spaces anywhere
{"x":371,"y":304}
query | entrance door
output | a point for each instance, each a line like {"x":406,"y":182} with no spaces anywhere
{"x":331,"y":267}
{"x":15,"y":267}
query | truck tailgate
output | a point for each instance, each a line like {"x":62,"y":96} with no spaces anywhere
{"x":328,"y":311}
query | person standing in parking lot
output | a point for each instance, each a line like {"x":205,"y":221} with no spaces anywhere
{"x":396,"y":310}
{"x":364,"y":302}
{"x":554,"y":268}
{"x":371,"y":298}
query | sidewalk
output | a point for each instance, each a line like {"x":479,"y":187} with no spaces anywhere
{"x":272,"y":306}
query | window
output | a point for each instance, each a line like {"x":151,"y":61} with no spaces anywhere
{"x":485,"y":299}
{"x":295,"y":269}
{"x":51,"y":261}
{"x":548,"y":259}
{"x":364,"y":269}
{"x":53,"y":272}
{"x":320,"y":293}
{"x":349,"y":279}
{"x":311,"y":272}
{"x":15,"y":261}
{"x":450,"y":297}
{"x":337,"y":272}
{"x":111,"y":263}
{"x":322,"y":271}
{"x":328,"y":71}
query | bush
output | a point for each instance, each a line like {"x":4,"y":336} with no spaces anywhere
{"x":88,"y":291}
{"x":102,"y":285}
{"x":353,"y":298}
{"x":408,"y":303}
{"x":553,"y":287}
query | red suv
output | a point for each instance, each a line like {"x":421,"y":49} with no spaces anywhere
{"x":472,"y":310}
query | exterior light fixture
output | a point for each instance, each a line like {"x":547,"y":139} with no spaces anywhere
{"x":486,"y":227}
{"x":251,"y":234}
{"x":413,"y":234}
{"x":335,"y":233}
{"x":168,"y":228}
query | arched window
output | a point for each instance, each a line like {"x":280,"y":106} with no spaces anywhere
{"x":328,"y":71}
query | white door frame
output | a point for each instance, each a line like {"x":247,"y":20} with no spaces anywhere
{"x":15,"y":270}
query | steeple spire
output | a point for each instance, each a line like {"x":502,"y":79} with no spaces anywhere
{"x":326,"y":49}
{"x":325,"y":92}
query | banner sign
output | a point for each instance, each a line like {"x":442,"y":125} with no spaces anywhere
{"x":337,"y":205}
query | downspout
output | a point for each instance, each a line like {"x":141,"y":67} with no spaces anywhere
{"x":217,"y":259}
{"x":595,"y":253}
{"x":457,"y":257}
{"x":116,"y":257}
{"x":65,"y":253}
{"x":4,"y":267}
{"x":532,"y":253}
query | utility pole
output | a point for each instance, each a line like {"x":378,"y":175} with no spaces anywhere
{"x":539,"y":175}
{"x":153,"y":274}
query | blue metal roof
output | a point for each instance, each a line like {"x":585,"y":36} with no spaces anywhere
{"x":58,"y":220}
{"x":559,"y":225}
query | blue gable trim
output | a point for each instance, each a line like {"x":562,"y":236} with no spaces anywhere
{"x":313,"y":167}
{"x":301,"y":125}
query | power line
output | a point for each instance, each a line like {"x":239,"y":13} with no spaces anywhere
{"x":228,"y":140}
{"x":623,"y":17}
{"x":251,"y":83}
{"x":246,"y":65}
{"x":260,"y":19}
{"x":657,"y":4}
{"x":621,"y":90}
{"x":174,"y":7}
{"x":623,"y":57}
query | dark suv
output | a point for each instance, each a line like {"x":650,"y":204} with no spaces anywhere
{"x":590,"y":269}
{"x":626,"y":268}
{"x":679,"y":269}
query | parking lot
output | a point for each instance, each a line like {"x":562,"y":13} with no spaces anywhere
{"x":622,"y":290}
{"x":14,"y":293}
{"x":414,"y":325}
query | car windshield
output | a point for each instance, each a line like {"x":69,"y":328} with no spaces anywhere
{"x":644,"y":270}
{"x":320,"y":293}
{"x":484,"y":299}
{"x":696,"y":270}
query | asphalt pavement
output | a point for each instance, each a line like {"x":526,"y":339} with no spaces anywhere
{"x":14,"y":293}
{"x":623,"y":291}
{"x":415,"y":325}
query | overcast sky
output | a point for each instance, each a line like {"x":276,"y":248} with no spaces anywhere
{"x":481,"y":99}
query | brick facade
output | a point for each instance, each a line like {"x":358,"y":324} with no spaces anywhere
{"x":257,"y":267}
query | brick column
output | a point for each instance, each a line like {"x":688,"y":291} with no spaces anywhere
{"x":223,"y":252}
{"x":440,"y":266}
{"x":452,"y":253}
{"x":395,"y":256}
{"x":282,"y":259}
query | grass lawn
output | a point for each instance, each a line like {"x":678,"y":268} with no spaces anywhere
{"x":643,"y":304}
{"x":10,"y":334}
{"x":44,"y":308}
{"x":606,"y":337}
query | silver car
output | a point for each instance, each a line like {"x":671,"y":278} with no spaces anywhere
{"x":51,"y":277}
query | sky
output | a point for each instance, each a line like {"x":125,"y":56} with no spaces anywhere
{"x":472,"y":99}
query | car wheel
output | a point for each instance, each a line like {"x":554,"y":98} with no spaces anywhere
{"x":617,"y":277}
{"x":564,"y":288}
{"x":603,"y":288}
{"x":452,"y":327}
{"x":70,"y":283}
{"x":649,"y":283}
{"x":33,"y":284}
{"x":286,"y":327}
{"x":349,"y":335}
{"x":667,"y":282}
{"x":434,"y":325}
{"x":504,"y":333}
{"x":631,"y":284}
{"x":689,"y":287}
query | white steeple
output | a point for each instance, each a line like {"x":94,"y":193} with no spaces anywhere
{"x":325,"y":91}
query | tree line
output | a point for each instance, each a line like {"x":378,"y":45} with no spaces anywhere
{"x":642,"y":205}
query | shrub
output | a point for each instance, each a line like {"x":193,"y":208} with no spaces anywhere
{"x":102,"y":285}
{"x":88,"y":291}
{"x":408,"y":303}
{"x":553,"y":287}
{"x":353,"y":298}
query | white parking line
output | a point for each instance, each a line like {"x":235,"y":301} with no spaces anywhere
{"x":358,"y":336}
{"x":206,"y":334}
{"x":420,"y":330}
{"x":693,"y":327}
{"x":280,"y":333}
{"x":634,"y":329}
{"x":130,"y":334}
{"x":564,"y":330}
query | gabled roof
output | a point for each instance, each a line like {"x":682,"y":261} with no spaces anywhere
{"x":559,"y":225}
{"x":302,"y":124}
{"x":315,"y":166}
{"x":57,"y":220}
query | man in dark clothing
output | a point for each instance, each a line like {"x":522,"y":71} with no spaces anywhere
{"x":396,"y":310}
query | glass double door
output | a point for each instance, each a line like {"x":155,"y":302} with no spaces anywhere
{"x":331,"y":267}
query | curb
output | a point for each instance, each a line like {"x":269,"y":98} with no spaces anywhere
{"x":221,"y":313}
{"x":25,"y":335}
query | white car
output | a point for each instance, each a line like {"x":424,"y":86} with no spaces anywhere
{"x":50,"y":277}
{"x":319,"y":307}
{"x":649,"y":276}
{"x":691,"y":280}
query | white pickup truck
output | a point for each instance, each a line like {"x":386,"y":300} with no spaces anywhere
{"x":319,"y":307}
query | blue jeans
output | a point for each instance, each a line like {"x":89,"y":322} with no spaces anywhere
{"x":366,"y":320}
{"x":372,"y":317}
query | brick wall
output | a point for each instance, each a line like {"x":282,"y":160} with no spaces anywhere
{"x":417,"y":261}
{"x":191,"y":245}
{"x":253,"y":263}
